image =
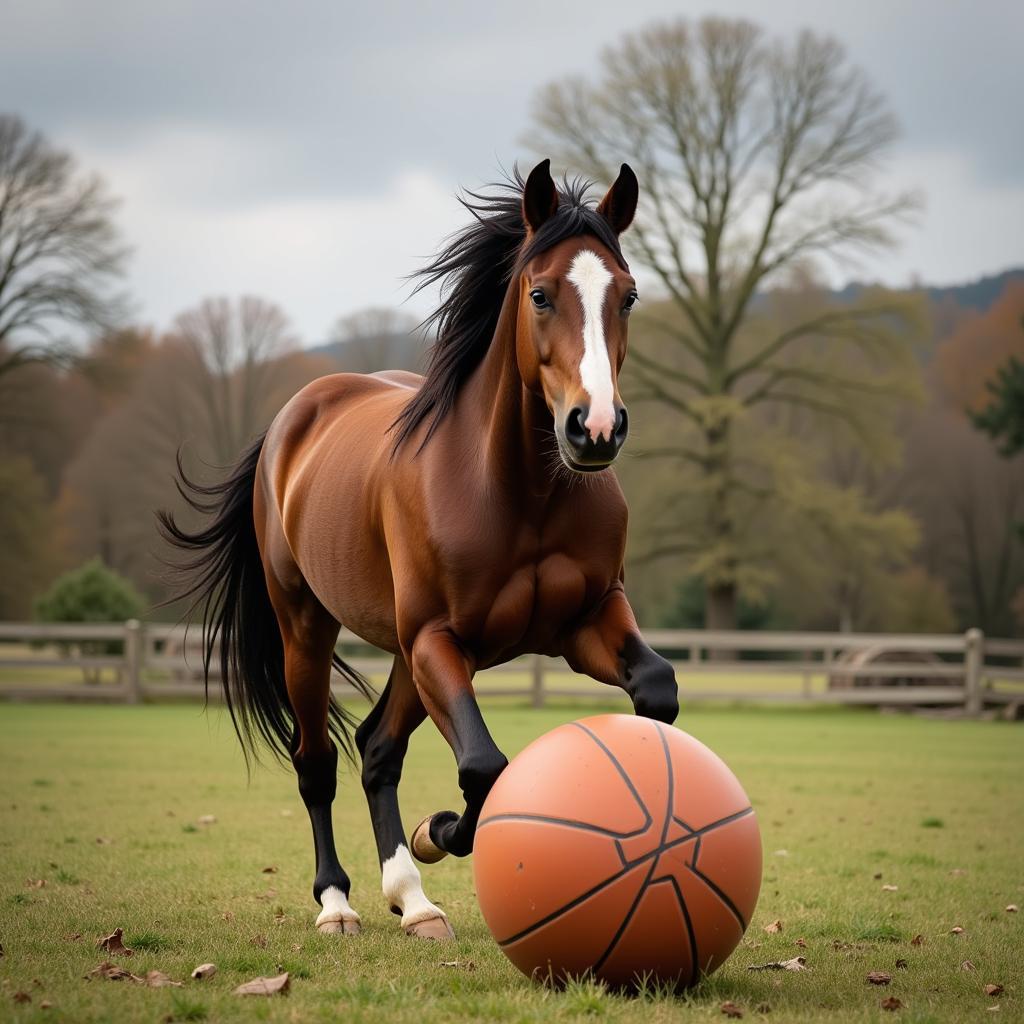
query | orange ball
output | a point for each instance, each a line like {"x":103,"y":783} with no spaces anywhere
{"x":620,"y":847}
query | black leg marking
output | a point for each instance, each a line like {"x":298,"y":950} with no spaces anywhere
{"x":318,"y":783}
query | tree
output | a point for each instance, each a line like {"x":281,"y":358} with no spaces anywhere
{"x":1003,"y":418}
{"x":754,"y":159}
{"x":27,"y":551}
{"x":60,"y":252}
{"x":234,"y":351}
{"x":377,"y":338}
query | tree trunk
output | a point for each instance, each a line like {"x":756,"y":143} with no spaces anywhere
{"x":720,"y":613}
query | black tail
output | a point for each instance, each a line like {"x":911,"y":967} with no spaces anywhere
{"x":222,"y":574}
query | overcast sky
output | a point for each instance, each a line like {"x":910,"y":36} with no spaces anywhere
{"x":308,"y":152}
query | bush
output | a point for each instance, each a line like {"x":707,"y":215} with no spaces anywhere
{"x":90,"y":593}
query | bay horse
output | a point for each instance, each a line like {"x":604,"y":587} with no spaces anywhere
{"x":455,"y":520}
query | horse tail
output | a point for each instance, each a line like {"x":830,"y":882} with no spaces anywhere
{"x":221,"y":573}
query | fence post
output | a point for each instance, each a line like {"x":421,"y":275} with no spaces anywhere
{"x":537,"y":688}
{"x":134,"y":640}
{"x":974,"y":661}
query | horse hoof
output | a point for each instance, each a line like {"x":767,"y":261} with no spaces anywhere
{"x":435,"y":928}
{"x":424,"y":849}
{"x":339,"y":928}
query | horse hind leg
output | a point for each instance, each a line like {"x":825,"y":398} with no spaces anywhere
{"x":383,"y":739}
{"x":309,"y":633}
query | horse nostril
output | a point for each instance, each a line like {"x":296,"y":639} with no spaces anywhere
{"x":575,"y":432}
{"x":621,"y":425}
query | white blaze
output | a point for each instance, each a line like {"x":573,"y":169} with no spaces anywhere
{"x":400,"y":880}
{"x":591,"y":279}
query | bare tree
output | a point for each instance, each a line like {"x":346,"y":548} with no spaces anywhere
{"x":377,"y":338}
{"x":754,"y":159}
{"x":236,"y":352}
{"x":59,"y":250}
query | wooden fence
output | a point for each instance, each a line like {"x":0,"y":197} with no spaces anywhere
{"x":132,"y":662}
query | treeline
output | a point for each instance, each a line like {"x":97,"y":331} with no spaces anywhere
{"x":902,"y":515}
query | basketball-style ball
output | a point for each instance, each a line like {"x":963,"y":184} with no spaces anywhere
{"x":621,"y":848}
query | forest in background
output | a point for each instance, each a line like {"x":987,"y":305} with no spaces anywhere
{"x":931,"y":543}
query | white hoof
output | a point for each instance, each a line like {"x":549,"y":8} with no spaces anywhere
{"x":337,"y":917}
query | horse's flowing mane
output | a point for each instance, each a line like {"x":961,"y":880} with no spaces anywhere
{"x":474,"y":267}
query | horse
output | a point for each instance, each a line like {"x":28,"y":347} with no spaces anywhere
{"x":456,"y":521}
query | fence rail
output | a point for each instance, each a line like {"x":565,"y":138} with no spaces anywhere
{"x":132,"y":662}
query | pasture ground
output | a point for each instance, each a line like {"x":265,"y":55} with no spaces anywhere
{"x":935,"y":808}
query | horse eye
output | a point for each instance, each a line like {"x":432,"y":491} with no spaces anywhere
{"x":540,"y":300}
{"x":631,"y":300}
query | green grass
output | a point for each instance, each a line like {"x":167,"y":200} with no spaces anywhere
{"x":842,"y":797}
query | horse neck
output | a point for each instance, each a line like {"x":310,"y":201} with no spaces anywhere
{"x":514,"y":424}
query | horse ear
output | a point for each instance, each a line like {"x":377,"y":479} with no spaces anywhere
{"x":619,"y":205}
{"x":540,"y":197}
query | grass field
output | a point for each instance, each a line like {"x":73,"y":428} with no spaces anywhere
{"x":933,"y":807}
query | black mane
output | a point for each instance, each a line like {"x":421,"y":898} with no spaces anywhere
{"x":475,"y":266}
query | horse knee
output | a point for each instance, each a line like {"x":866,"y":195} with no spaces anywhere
{"x":479,"y":771}
{"x":382,"y":761}
{"x":318,"y":776}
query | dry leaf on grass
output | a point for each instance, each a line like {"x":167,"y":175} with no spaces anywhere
{"x":730,"y":1009}
{"x":35,"y":883}
{"x":264,"y":986}
{"x":1012,"y":908}
{"x":877,"y":876}
{"x":270,"y":870}
{"x":466,"y":965}
{"x":157,"y":979}
{"x":72,"y":936}
{"x":22,"y":997}
{"x":802,"y":943}
{"x":901,"y":964}
{"x":259,"y":941}
{"x":103,"y":841}
{"x":890,"y":888}
{"x":917,"y":940}
{"x":891,"y":1003}
{"x":113,"y":944}
{"x":798,"y":963}
{"x":967,"y":965}
{"x":113,"y":973}
{"x":204,"y":971}
{"x":879,"y":978}
{"x":46,"y":1005}
{"x":957,"y":872}
{"x":227,"y":916}
{"x":207,"y":819}
{"x":993,"y":990}
{"x":773,"y":928}
{"x":956,"y":930}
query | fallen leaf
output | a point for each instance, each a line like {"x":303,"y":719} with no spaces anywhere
{"x":466,"y":965}
{"x":103,"y":841}
{"x":994,"y":1009}
{"x":114,"y":945}
{"x":956,"y":930}
{"x":801,"y":943}
{"x":730,"y":1009}
{"x":891,"y":1003}
{"x":763,"y":1008}
{"x":227,"y":916}
{"x":22,"y":997}
{"x":890,"y":888}
{"x":113,"y":973}
{"x":782,"y":853}
{"x":901,"y":964}
{"x":917,"y":940}
{"x":46,"y":1005}
{"x":967,"y":965}
{"x":72,"y":936}
{"x":877,"y":875}
{"x":35,"y":883}
{"x":280,"y":918}
{"x":260,"y":941}
{"x":270,"y":870}
{"x":1012,"y":908}
{"x":879,"y":978}
{"x":993,"y":990}
{"x":204,"y":971}
{"x":264,"y":986}
{"x":798,"y":963}
{"x":773,"y":928}
{"x":207,"y":819}
{"x":957,"y":872}
{"x":157,"y":979}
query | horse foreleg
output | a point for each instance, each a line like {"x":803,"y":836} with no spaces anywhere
{"x":383,"y":739}
{"x":608,"y":647}
{"x":444,"y":682}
